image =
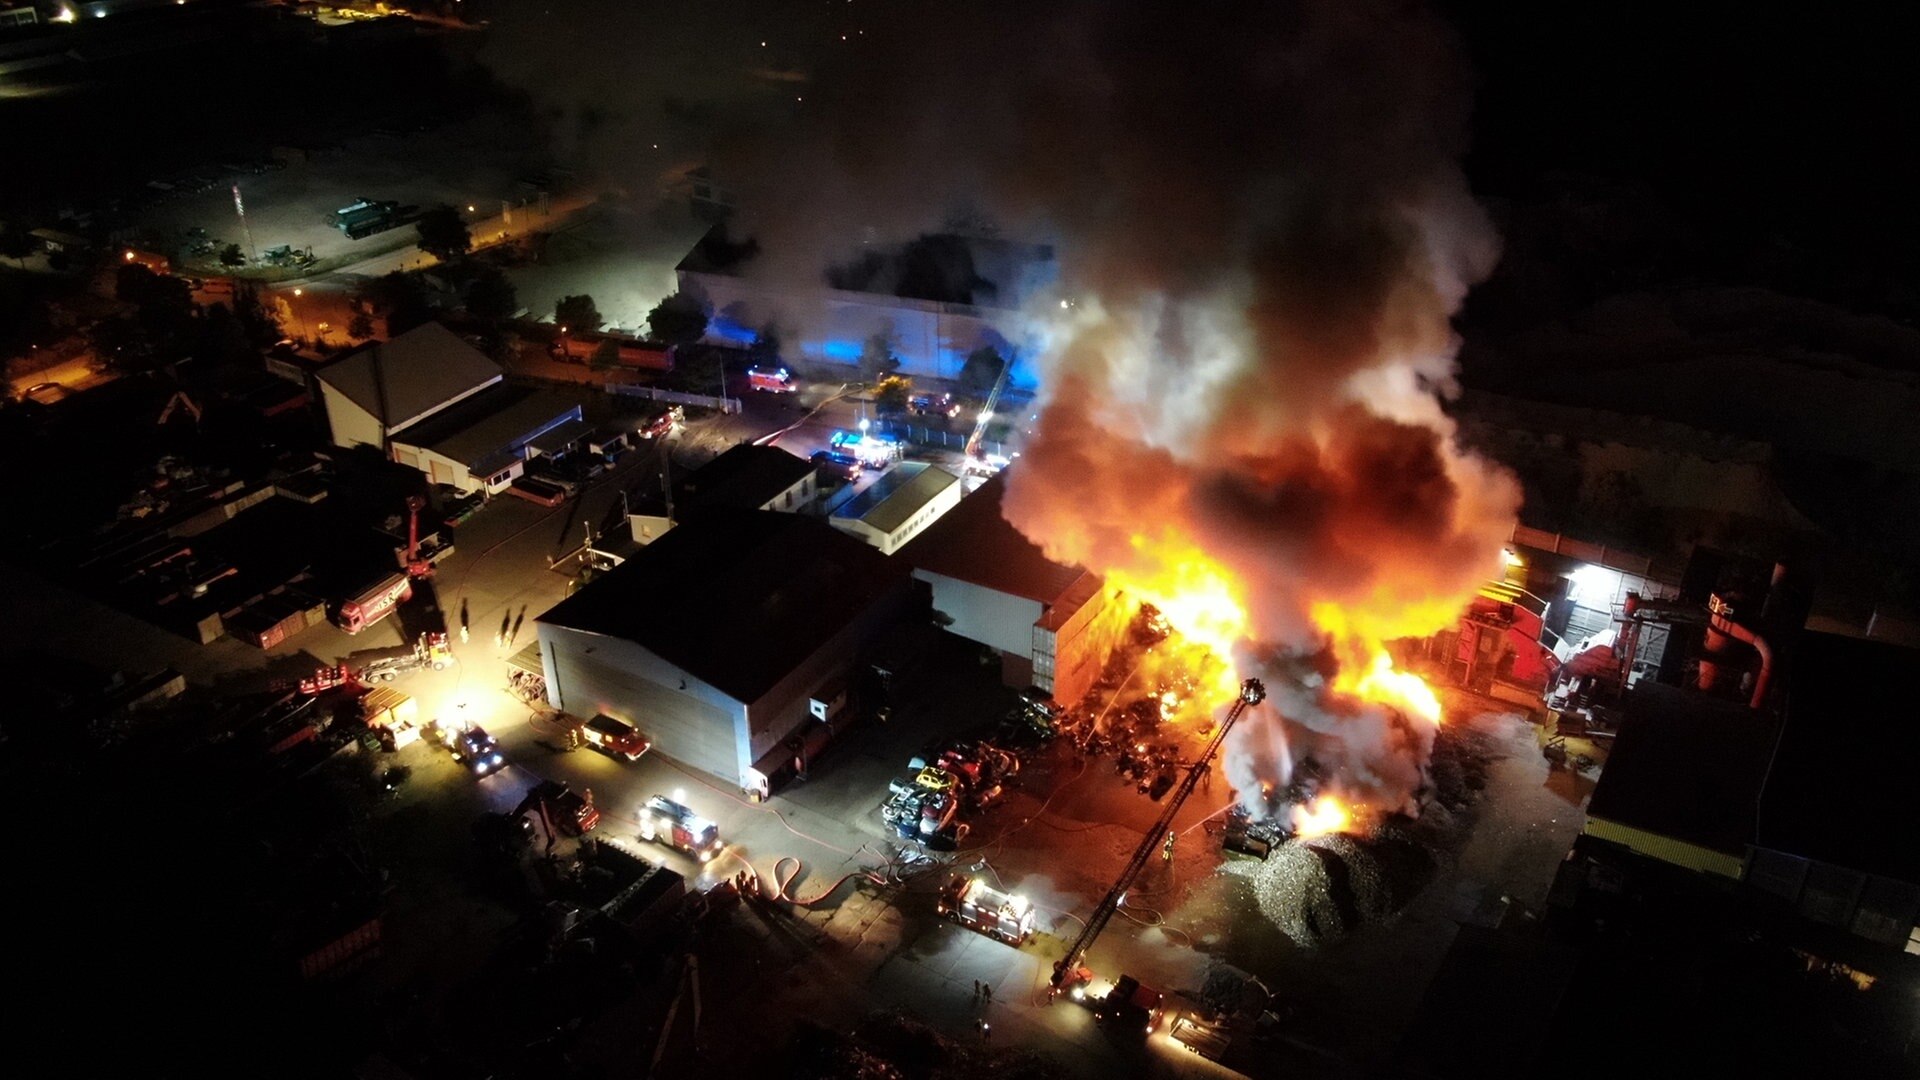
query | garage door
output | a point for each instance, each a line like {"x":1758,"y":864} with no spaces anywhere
{"x":683,"y":728}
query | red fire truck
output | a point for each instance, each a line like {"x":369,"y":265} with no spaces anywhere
{"x":373,"y":603}
{"x":777,"y":381}
{"x":615,"y":737}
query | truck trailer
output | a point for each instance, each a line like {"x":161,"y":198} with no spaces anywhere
{"x":373,"y":603}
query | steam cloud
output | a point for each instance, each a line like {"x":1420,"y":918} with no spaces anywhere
{"x":1263,"y":232}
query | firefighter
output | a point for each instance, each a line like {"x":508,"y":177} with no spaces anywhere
{"x":1166,"y":849}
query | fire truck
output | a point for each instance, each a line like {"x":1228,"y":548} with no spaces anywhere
{"x":1003,"y":916}
{"x":430,"y":650}
{"x":373,"y":603}
{"x":614,"y":736}
{"x":777,"y":381}
{"x":1125,"y":1002}
{"x":674,"y":824}
{"x":564,"y":811}
{"x":472,"y":746}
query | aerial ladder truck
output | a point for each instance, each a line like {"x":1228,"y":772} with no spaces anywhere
{"x":1067,"y":973}
{"x":986,"y":412}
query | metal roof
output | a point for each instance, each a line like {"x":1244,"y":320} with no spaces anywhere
{"x":421,"y":371}
{"x":491,"y":425}
{"x":557,"y":438}
{"x":736,"y":598}
{"x":1688,"y":766}
{"x":745,"y":477}
{"x":899,"y":493}
{"x":974,"y":543}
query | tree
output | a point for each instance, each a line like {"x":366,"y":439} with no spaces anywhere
{"x":443,"y":234}
{"x":231,"y":255}
{"x":678,"y":320}
{"x":491,"y":296}
{"x":697,"y":370}
{"x":163,"y":327}
{"x":262,"y":327}
{"x":360,"y":327}
{"x":890,"y":397}
{"x":877,"y":359}
{"x":131,"y":283}
{"x":578,"y":314}
{"x":223,"y":340}
{"x":16,"y":243}
{"x":982,"y":370}
{"x":400,"y":298}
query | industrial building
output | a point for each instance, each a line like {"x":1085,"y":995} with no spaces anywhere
{"x":487,"y":440}
{"x":734,"y":642}
{"x":1803,"y":803}
{"x":744,"y":477}
{"x":999,"y":589}
{"x":936,"y":299}
{"x":432,"y":402}
{"x":898,"y":506}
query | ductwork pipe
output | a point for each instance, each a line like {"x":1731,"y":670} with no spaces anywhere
{"x":1720,"y":627}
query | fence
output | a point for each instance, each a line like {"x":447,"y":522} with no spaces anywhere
{"x":926,"y":435}
{"x":725,"y":405}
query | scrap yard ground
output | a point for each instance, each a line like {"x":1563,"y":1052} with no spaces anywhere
{"x":1060,"y":836}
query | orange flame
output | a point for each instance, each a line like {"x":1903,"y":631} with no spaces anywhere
{"x":1379,"y":681}
{"x":1324,"y":815}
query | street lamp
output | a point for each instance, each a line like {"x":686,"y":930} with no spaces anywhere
{"x":297,"y":293}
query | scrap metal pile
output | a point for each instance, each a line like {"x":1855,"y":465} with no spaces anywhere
{"x":961,"y":779}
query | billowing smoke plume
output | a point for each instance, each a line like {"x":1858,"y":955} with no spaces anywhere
{"x":1262,"y":231}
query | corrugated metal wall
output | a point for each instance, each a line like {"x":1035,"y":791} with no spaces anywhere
{"x":682,"y":727}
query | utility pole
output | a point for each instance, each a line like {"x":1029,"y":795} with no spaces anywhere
{"x":240,"y":208}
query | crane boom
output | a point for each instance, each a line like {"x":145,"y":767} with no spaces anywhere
{"x":1252,"y":692}
{"x":986,"y":412}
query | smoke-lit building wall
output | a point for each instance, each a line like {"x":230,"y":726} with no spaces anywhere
{"x":826,"y":327}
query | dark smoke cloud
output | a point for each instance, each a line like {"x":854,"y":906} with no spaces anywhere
{"x":1263,"y":232}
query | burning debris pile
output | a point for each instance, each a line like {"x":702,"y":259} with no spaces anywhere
{"x":1244,"y":428}
{"x":1319,"y":889}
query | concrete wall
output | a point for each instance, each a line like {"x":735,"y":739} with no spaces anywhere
{"x":995,"y":619}
{"x":689,"y":721}
{"x":350,"y":424}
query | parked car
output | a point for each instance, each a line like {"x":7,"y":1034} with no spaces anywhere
{"x":844,"y":467}
{"x":537,"y":491}
{"x":555,"y":473}
{"x":934,"y":405}
{"x":664,"y":425}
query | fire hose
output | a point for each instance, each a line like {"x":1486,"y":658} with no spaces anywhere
{"x":783,"y":882}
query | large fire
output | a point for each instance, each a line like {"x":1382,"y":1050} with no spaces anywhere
{"x":1202,"y":603}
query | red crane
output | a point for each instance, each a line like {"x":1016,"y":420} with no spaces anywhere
{"x":417,"y":567}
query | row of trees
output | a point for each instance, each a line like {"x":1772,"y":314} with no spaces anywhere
{"x":166,"y":327}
